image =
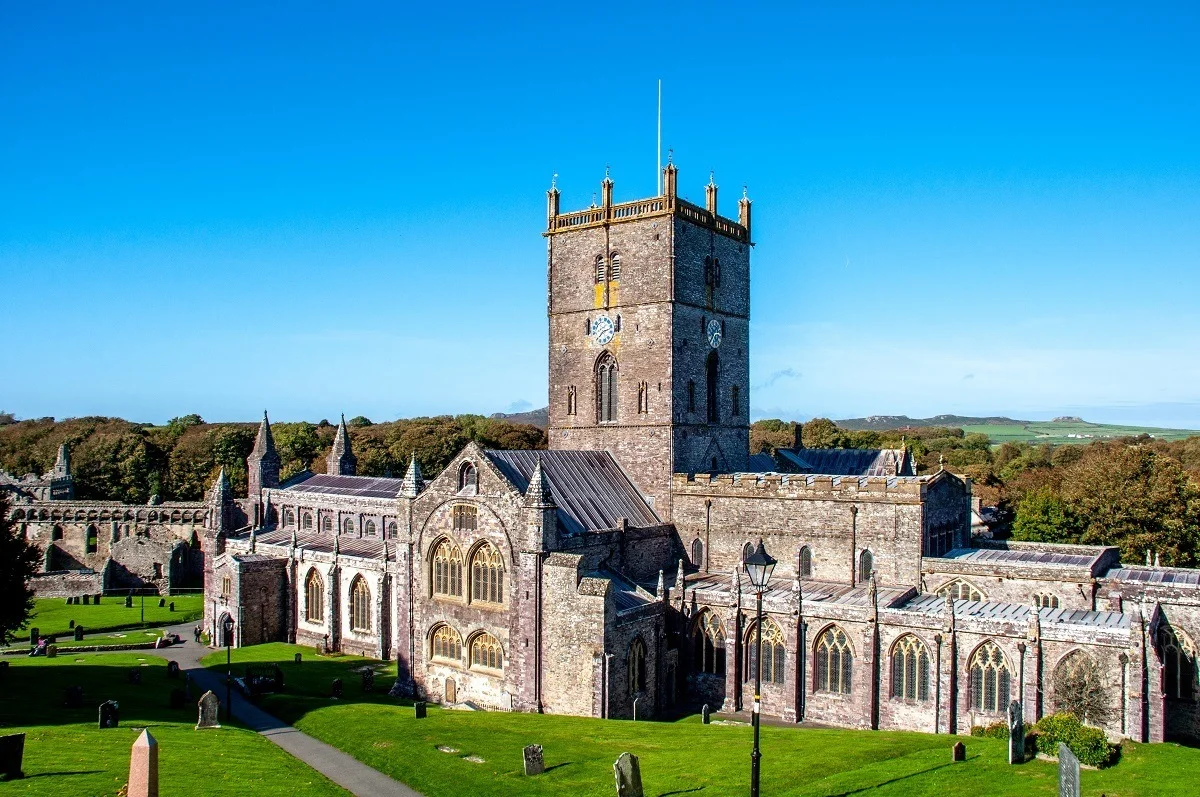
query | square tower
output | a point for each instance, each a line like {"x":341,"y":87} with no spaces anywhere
{"x":649,"y":310}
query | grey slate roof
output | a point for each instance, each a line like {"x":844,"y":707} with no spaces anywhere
{"x":780,"y":589}
{"x":1016,"y":612}
{"x":1019,"y":557}
{"x":1156,"y":575}
{"x":359,"y":486}
{"x":848,"y":461}
{"x":626,"y":594}
{"x":320,"y":542}
{"x":589,"y":487}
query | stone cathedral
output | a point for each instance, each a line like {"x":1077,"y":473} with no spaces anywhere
{"x":603,"y":577}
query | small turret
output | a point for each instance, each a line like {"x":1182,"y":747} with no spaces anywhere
{"x":220,"y":506}
{"x":62,"y":485}
{"x":744,"y":213}
{"x":262,"y":466}
{"x":542,"y":509}
{"x":341,"y":460}
{"x":710,"y":194}
{"x":552,"y":199}
{"x":62,"y":465}
{"x":412,"y":484}
{"x":537,"y":495}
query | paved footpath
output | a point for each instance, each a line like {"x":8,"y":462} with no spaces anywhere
{"x":344,"y":770}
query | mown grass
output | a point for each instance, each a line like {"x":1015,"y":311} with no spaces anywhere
{"x":65,"y":752}
{"x":682,"y":757}
{"x":52,"y":616}
{"x":1057,"y":432}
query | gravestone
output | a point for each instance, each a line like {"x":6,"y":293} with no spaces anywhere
{"x":451,"y":691}
{"x":73,"y":697}
{"x":1068,"y":772}
{"x":110,"y":714}
{"x":368,"y":680}
{"x":636,"y":700}
{"x":172,"y":669}
{"x":299,"y":658}
{"x":419,"y":709}
{"x":171,"y":606}
{"x":1016,"y":733}
{"x":337,"y":688}
{"x":629,"y":776}
{"x":178,"y":698}
{"x":535,"y":764}
{"x":162,"y":603}
{"x":704,"y":714}
{"x":95,"y":601}
{"x":71,"y":624}
{"x":135,"y":676}
{"x":12,"y":752}
{"x":128,"y":601}
{"x":210,"y":708}
{"x":78,"y":633}
{"x":86,"y":599}
{"x":958,"y":752}
{"x":34,"y":633}
{"x":52,"y":651}
{"x":143,"y":767}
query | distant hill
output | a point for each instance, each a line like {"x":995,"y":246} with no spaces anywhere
{"x":539,"y":418}
{"x":883,"y":423}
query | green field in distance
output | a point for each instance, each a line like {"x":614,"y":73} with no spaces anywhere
{"x":1058,"y":432}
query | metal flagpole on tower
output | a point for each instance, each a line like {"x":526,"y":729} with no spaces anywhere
{"x":659,"y":173}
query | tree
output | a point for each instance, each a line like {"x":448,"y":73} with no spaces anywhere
{"x":820,"y":433}
{"x":1042,"y":516}
{"x":19,"y":560}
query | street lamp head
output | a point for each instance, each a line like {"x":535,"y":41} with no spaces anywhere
{"x":759,"y":565}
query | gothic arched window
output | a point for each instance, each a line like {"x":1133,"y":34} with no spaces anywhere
{"x":487,"y":575}
{"x":486,"y":652}
{"x":637,"y":666}
{"x":327,"y":523}
{"x":910,"y":669}
{"x":834,"y":662}
{"x":697,"y":553}
{"x":1179,"y":663}
{"x":308,"y":520}
{"x":711,"y":369}
{"x":773,"y":653}
{"x":961,"y":591}
{"x":446,"y":644}
{"x":747,"y":549}
{"x":464,"y":517}
{"x":314,"y":597}
{"x":447,"y":570}
{"x":393,"y":530}
{"x":360,"y":605}
{"x":348,"y":526}
{"x":804,"y":569}
{"x":616,"y":266}
{"x":370,"y":528}
{"x":606,"y":388}
{"x":708,"y":644}
{"x":1079,"y":689}
{"x":1045,"y":600}
{"x":866,"y":565}
{"x":289,"y":517}
{"x":468,"y":479}
{"x":990,"y":679}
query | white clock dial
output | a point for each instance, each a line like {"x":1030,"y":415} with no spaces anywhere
{"x":603,"y":330}
{"x":713,"y":332}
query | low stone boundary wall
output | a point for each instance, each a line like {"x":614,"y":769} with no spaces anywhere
{"x":66,"y":584}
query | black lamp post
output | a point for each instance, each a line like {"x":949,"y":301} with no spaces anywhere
{"x":758,"y":567}
{"x":227,"y":627}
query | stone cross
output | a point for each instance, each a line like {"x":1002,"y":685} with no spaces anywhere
{"x":1068,"y":772}
{"x":12,"y":754}
{"x":704,"y":712}
{"x":1016,"y":733}
{"x":535,"y":764}
{"x":958,"y":752}
{"x":210,"y":707}
{"x":109,"y":714}
{"x":629,"y":776}
{"x":143,"y":767}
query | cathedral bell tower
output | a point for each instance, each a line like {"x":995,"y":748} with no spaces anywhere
{"x":649,"y":310}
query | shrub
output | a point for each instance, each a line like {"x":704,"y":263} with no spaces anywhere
{"x":1089,"y":744}
{"x":997,"y":730}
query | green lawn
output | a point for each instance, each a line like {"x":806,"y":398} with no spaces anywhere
{"x":53,"y":615}
{"x":677,"y":757}
{"x":1069,"y":432}
{"x":65,"y":753}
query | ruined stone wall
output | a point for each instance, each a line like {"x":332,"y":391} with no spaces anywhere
{"x":67,"y":583}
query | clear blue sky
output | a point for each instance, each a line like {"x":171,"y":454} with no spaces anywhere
{"x":315,"y":207}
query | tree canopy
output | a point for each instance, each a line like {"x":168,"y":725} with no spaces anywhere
{"x":19,"y":560}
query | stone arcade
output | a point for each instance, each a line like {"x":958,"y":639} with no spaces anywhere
{"x":607,"y":570}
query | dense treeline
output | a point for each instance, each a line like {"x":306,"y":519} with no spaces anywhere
{"x":114,"y":459}
{"x":1137,"y":493}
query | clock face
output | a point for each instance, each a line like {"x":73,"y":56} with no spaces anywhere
{"x":603,"y":330}
{"x":713,"y":333}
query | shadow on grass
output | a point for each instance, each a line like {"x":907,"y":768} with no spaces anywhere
{"x":681,"y":791}
{"x":557,"y":766}
{"x":59,"y":774}
{"x":918,"y":773}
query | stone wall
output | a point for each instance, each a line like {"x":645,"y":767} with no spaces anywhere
{"x":67,"y":583}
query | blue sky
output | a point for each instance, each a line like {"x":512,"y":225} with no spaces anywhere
{"x":960,"y":207}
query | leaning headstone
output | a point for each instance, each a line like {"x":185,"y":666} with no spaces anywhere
{"x":629,"y":776}
{"x":110,"y":714}
{"x":704,"y":714}
{"x":299,"y":658}
{"x":87,"y":599}
{"x":178,"y":698}
{"x":78,"y":633}
{"x":34,"y":633}
{"x":337,"y":688}
{"x":135,"y":676}
{"x":143,"y":767}
{"x":419,"y":709}
{"x":636,"y":700}
{"x":73,"y":697}
{"x":1068,"y":772}
{"x":52,"y":651}
{"x":958,"y":752}
{"x":171,"y":606}
{"x":368,"y":680}
{"x":172,"y":669}
{"x":210,"y":708}
{"x":535,"y":764}
{"x":1016,"y":733}
{"x":162,"y":603}
{"x":12,"y":752}
{"x":71,"y":624}
{"x":128,"y":601}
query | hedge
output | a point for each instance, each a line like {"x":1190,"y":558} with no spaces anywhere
{"x":1089,"y":744}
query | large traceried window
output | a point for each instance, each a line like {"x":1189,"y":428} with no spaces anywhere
{"x":637,"y":666}
{"x":991,"y":679}
{"x":961,"y":591}
{"x":447,"y":570}
{"x":834,"y":662}
{"x":606,"y":388}
{"x":1179,"y":663}
{"x":910,"y":669}
{"x":708,"y":644}
{"x":314,"y":597}
{"x":360,"y":605}
{"x":774,"y":653}
{"x":446,"y":644}
{"x":486,"y":652}
{"x":804,"y":563}
{"x":487,"y":575}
